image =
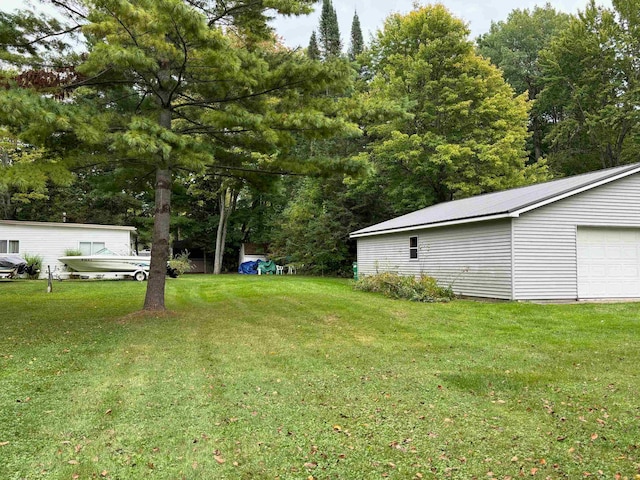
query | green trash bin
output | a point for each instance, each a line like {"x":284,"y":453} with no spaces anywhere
{"x":355,"y":270}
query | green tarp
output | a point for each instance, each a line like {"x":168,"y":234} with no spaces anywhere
{"x":267,"y":268}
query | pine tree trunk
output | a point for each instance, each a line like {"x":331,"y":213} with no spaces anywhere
{"x":154,"y":299}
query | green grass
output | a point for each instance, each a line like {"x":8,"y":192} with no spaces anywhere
{"x":293,"y":377}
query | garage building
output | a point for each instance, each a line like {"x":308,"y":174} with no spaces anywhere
{"x":573,"y":238}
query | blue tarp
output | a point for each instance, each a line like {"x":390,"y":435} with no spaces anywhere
{"x":249,"y":268}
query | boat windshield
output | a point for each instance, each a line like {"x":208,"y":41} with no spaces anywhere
{"x":105,"y":251}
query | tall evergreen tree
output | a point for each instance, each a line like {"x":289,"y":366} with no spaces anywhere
{"x":313,"y":51}
{"x":166,"y":87}
{"x":330,"y":43}
{"x":357,"y":42}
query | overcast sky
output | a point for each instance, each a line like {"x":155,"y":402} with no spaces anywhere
{"x":478,"y":14}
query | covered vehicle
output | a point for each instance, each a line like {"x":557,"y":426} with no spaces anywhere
{"x":12,"y":265}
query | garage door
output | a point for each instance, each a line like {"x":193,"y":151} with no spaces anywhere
{"x":608,"y":263}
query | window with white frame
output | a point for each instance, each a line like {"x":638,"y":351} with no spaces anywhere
{"x":91,"y":248}
{"x":413,"y":248}
{"x":9,"y":246}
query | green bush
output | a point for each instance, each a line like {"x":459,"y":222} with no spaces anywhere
{"x":181,"y":263}
{"x":72,"y":252}
{"x":423,"y":289}
{"x":34,"y":265}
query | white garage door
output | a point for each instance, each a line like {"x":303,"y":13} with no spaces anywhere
{"x":608,"y":263}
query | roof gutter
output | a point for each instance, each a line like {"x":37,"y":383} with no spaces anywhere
{"x":435,"y":225}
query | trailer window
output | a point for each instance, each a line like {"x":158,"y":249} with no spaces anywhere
{"x":9,"y":246}
{"x":91,"y":248}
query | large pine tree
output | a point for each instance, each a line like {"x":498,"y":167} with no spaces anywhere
{"x":167,"y":88}
{"x":330,"y":43}
{"x":357,"y":42}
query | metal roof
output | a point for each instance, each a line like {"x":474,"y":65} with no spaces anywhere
{"x":508,"y":203}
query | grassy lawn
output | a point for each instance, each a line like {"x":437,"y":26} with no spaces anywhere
{"x":293,"y":377}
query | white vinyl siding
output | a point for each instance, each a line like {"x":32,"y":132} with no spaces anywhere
{"x":475,"y":259}
{"x":545,"y":239}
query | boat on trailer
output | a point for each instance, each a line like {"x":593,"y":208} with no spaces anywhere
{"x":106,"y":263}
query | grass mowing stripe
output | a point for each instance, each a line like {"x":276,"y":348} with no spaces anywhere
{"x":291,"y":377}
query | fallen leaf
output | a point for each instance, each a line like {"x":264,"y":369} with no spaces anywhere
{"x":108,"y":412}
{"x":594,"y":436}
{"x":310,"y":465}
{"x":534,"y":470}
{"x":219,"y":459}
{"x":104,"y":473}
{"x":337,"y":428}
{"x":72,"y":462}
{"x":3,"y":444}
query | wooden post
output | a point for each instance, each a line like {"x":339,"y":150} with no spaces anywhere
{"x":50,"y":280}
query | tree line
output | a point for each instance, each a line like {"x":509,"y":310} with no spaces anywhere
{"x":191,"y":121}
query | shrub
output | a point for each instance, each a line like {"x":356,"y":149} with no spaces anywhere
{"x":180,"y":263}
{"x":72,"y":252}
{"x":34,"y":265}
{"x":423,"y":289}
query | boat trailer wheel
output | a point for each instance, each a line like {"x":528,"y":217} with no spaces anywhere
{"x":140,"y":276}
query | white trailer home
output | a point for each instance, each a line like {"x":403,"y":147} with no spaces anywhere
{"x":573,"y":238}
{"x":51,"y":240}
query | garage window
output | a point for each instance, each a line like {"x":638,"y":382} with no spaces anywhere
{"x":413,"y":247}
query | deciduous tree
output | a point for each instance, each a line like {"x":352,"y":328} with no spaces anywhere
{"x":592,"y":74}
{"x":514,"y":45}
{"x":452,"y":127}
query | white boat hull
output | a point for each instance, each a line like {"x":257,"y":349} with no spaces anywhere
{"x":106,"y":263}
